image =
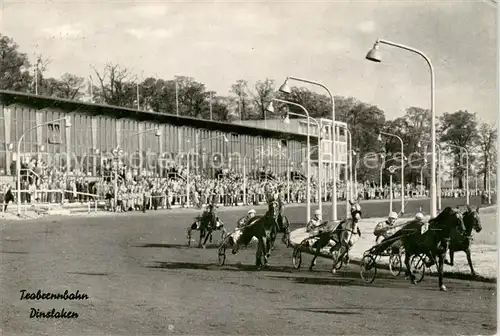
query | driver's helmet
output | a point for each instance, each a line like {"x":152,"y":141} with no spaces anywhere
{"x":317,"y":213}
{"x":393,"y":215}
{"x":419,"y":216}
{"x":251,"y":213}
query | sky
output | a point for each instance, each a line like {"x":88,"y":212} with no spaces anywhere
{"x":218,"y":43}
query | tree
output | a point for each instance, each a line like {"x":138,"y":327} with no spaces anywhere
{"x":192,"y":97}
{"x":240,"y":90}
{"x":68,"y":87}
{"x":318,"y":106}
{"x":263,"y":96}
{"x":14,"y":66}
{"x":487,"y":151}
{"x":459,"y":129}
{"x":115,"y":86}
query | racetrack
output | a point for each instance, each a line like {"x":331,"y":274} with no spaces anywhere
{"x":142,"y":279}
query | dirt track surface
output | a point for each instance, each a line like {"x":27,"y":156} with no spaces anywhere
{"x":143,"y":280}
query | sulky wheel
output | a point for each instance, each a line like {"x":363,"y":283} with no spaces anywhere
{"x":222,"y":254}
{"x":417,"y":266}
{"x":297,"y":257}
{"x":368,"y":268}
{"x":395,"y":264}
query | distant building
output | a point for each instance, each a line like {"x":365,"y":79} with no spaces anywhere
{"x":299,"y":126}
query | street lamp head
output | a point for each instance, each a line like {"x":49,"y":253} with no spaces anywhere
{"x":285,"y":88}
{"x":374,"y":54}
{"x":419,"y":144}
{"x":286,"y":120}
{"x":225,"y":138}
{"x":379,"y":138}
{"x":158,"y":132}
{"x":354,"y":153}
{"x":270,"y":108}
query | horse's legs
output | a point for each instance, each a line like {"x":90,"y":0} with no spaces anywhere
{"x":469,"y":260}
{"x":258,"y":261}
{"x":209,"y":235}
{"x":316,"y":253}
{"x":452,"y":254}
{"x":202,"y":235}
{"x":261,"y":252}
{"x":408,"y":268}
{"x":189,"y":234}
{"x":236,"y":246}
{"x":440,"y":271}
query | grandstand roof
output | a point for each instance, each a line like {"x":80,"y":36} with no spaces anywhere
{"x":41,"y":102}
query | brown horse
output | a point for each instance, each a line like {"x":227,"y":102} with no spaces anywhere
{"x":461,"y":241}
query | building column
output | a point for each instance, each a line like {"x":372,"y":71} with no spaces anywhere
{"x":8,"y":141}
{"x":94,"y":146}
{"x":141,"y":144}
{"x":67,"y":131}
{"x":159,"y":157}
{"x":39,"y":131}
{"x":119,"y":133}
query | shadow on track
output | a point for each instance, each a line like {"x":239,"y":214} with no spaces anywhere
{"x":214,"y":267}
{"x":88,"y":273}
{"x":352,"y":310}
{"x":324,"y":311}
{"x":177,"y":246}
{"x":14,"y":252}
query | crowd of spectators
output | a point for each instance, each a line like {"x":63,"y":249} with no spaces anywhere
{"x":123,"y":189}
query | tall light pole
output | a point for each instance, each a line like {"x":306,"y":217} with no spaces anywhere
{"x":270,"y":108}
{"x":349,"y":165}
{"x":402,"y":168}
{"x":67,"y":122}
{"x":439,"y":172}
{"x":374,"y":55}
{"x":466,"y":171}
{"x":286,"y":89}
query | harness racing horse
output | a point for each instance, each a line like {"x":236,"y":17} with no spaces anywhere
{"x":206,"y":224}
{"x":434,"y":242}
{"x":259,"y":227}
{"x":344,"y":235}
{"x":462,"y":241}
{"x":281,"y":225}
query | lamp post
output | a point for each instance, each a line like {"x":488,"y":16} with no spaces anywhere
{"x":402,"y":168}
{"x":466,"y":171}
{"x":270,"y":108}
{"x":349,"y":168}
{"x":374,"y":55}
{"x":67,"y":122}
{"x":439,"y":172}
{"x":286,"y":89}
{"x":187,"y":163}
{"x":350,"y":152}
{"x":382,"y":163}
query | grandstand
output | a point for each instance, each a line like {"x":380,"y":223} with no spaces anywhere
{"x":99,"y":131}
